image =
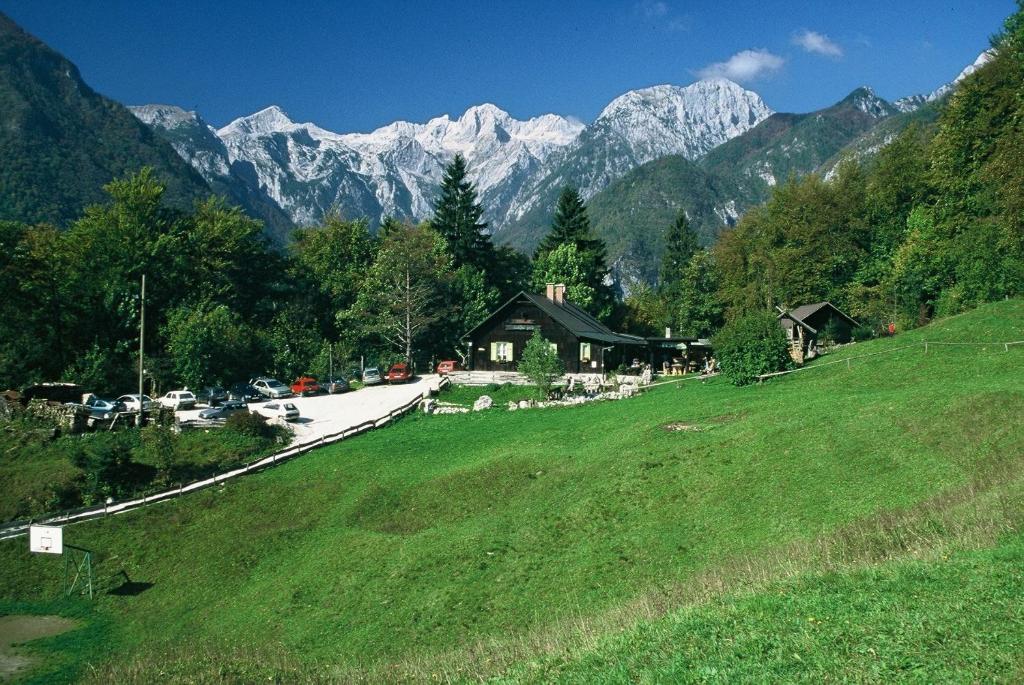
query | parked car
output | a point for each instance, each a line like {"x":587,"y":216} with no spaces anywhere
{"x":244,"y":392}
{"x":224,"y":409}
{"x":371,"y":376}
{"x":271,"y":388}
{"x":131,"y":402}
{"x":306,"y":385}
{"x":98,"y":408}
{"x":399,"y":373}
{"x":212,"y":395}
{"x":278,"y":410}
{"x":178,"y":400}
{"x":336,"y":385}
{"x":447,"y":366}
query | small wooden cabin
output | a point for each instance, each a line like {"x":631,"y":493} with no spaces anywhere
{"x":810,"y":324}
{"x":584,"y":344}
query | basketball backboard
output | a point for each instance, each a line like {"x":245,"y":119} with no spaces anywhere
{"x":46,"y":539}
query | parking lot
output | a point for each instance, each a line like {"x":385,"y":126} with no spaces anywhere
{"x":323,"y":414}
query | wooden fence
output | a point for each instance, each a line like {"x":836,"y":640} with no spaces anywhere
{"x":15,"y":528}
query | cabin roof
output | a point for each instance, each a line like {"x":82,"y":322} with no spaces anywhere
{"x":575,"y":320}
{"x":798,"y":314}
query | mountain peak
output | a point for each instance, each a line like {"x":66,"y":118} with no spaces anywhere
{"x":271,"y":119}
{"x":486,"y":109}
{"x":164,"y":116}
{"x":864,"y":99}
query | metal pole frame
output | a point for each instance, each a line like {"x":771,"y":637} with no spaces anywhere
{"x":80,"y":560}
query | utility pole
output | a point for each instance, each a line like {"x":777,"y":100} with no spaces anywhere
{"x":142,"y":337}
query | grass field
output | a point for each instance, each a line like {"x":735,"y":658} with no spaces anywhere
{"x":590,"y":543}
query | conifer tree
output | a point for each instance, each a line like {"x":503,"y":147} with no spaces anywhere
{"x":457,"y":217}
{"x":571,"y":226}
{"x":680,"y":246}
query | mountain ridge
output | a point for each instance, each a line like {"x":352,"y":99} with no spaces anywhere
{"x":51,"y":171}
{"x":396,"y":169}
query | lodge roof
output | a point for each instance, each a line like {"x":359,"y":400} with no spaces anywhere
{"x":575,"y":320}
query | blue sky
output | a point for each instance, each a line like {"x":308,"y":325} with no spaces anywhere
{"x":354,"y":66}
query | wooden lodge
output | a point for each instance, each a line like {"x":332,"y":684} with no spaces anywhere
{"x":584,"y":344}
{"x":811,"y":324}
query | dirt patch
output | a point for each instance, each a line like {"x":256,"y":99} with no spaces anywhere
{"x":682,"y":427}
{"x":17,"y":630}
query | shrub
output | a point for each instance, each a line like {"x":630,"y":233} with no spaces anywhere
{"x":253,"y":425}
{"x":749,"y":346}
{"x":541,"y":364}
{"x":863,"y":332}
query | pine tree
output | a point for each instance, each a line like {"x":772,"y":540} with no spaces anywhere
{"x":680,"y":246}
{"x":457,"y":217}
{"x":571,"y":226}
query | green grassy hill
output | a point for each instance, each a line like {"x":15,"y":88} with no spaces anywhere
{"x":790,"y":529}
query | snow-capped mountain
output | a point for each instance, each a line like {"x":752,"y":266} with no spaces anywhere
{"x":198,"y":143}
{"x":307,"y":170}
{"x":914,"y":102}
{"x":689,"y":121}
{"x":635,"y":128}
{"x":191,"y":137}
{"x":395,"y":170}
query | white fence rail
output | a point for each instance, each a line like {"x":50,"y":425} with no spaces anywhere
{"x":16,"y":528}
{"x":925,"y":343}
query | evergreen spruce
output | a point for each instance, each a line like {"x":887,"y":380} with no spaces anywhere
{"x":457,"y":217}
{"x":680,"y":246}
{"x":571,"y":225}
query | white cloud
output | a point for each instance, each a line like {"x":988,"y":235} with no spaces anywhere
{"x":679,"y":24}
{"x":748,"y":65}
{"x":652,"y":9}
{"x":818,"y":43}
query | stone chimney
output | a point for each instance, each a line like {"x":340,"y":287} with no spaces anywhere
{"x":551,"y":291}
{"x":559,"y":293}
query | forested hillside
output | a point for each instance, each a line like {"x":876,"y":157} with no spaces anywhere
{"x":60,"y":141}
{"x":633,"y":213}
{"x":929,"y":225}
{"x":934,"y":225}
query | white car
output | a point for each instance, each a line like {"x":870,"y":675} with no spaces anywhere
{"x":131,"y":402}
{"x":278,"y":410}
{"x":271,"y":388}
{"x":178,"y":400}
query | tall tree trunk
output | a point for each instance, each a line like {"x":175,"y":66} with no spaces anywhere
{"x":408,"y":317}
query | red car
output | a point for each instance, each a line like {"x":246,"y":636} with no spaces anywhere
{"x":305,"y":385}
{"x":447,"y":366}
{"x":398,"y":373}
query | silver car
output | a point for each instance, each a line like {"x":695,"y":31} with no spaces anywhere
{"x":271,"y":388}
{"x":371,"y":376}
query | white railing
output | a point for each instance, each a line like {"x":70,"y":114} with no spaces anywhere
{"x":16,"y":528}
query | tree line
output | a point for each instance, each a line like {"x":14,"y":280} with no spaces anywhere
{"x":223,"y":305}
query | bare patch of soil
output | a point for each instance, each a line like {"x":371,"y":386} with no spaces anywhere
{"x":17,"y":630}
{"x":684,"y":427}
